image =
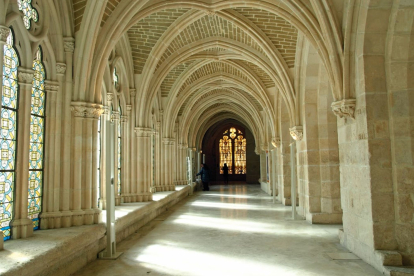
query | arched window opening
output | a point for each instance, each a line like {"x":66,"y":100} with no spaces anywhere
{"x":29,"y":13}
{"x":119,"y":147}
{"x":115,"y":77}
{"x":235,"y":159}
{"x":37,"y":131}
{"x":8,"y":137}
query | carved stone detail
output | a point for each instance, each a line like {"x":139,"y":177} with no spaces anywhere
{"x":69,"y":44}
{"x":109,"y":96}
{"x":128,"y":107}
{"x":143,"y":131}
{"x":296,"y":132}
{"x":168,"y":141}
{"x":124,"y":119}
{"x":87,"y":110}
{"x":25,"y":76}
{"x":132,"y":92}
{"x":115,"y":115}
{"x":4,"y":33}
{"x":276,"y":142}
{"x":210,"y":12}
{"x":51,"y":86}
{"x":344,"y":108}
{"x":60,"y":68}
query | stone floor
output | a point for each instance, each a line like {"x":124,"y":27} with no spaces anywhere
{"x":231,"y":230}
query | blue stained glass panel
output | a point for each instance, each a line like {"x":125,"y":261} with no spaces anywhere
{"x":38,"y":102}
{"x":36,"y":156}
{"x":29,"y":12}
{"x":7,"y":148}
{"x":9,"y":98}
{"x":10,"y":62}
{"x":36,"y":129}
{"x":8,"y":124}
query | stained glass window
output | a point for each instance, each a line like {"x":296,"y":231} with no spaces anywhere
{"x":29,"y":13}
{"x":99,"y":160}
{"x":37,"y":131}
{"x":119,"y":148}
{"x":235,"y":160}
{"x":8,"y":131}
{"x":240,"y":155}
{"x":226,"y":154}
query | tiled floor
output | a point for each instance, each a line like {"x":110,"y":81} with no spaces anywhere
{"x":230,"y":230}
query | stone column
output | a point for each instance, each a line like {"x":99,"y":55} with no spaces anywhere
{"x":124,"y":158}
{"x":51,"y":215}
{"x":168,"y":161}
{"x":85,"y":117}
{"x":143,"y":146}
{"x":104,"y":166}
{"x":116,"y":121}
{"x":21,"y":225}
{"x":66,"y":122}
{"x":126,"y":168}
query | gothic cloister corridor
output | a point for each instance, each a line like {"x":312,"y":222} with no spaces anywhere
{"x":230,"y":230}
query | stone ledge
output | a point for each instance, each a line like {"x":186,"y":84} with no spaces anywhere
{"x":66,"y":250}
{"x":324,"y":218}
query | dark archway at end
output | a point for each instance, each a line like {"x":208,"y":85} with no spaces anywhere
{"x":210,"y":147}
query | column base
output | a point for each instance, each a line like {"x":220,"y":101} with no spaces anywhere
{"x":50,"y":220}
{"x":66,"y":219}
{"x":89,"y":217}
{"x":324,"y":218}
{"x":164,"y":188}
{"x":77,"y":217}
{"x":21,"y":228}
{"x":141,"y":197}
{"x":97,"y":216}
{"x":118,"y":201}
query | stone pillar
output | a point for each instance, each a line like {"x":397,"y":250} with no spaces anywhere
{"x":168,"y":161}
{"x":115,"y":118}
{"x":143,"y":146}
{"x":104,"y":166}
{"x":50,"y":217}
{"x":65,"y":187}
{"x":21,"y":225}
{"x":85,"y":117}
{"x":126,"y":157}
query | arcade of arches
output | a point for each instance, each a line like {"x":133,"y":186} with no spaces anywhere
{"x":161,"y":82}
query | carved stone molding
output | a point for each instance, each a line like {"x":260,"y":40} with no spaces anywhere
{"x":51,"y":86}
{"x":69,"y":44}
{"x":210,"y":12}
{"x":296,"y":132}
{"x":115,"y":115}
{"x":276,"y":142}
{"x":132,"y":92}
{"x":109,"y":96}
{"x":128,"y":107}
{"x":344,"y":108}
{"x":143,"y":131}
{"x":124,"y":119}
{"x":87,"y":110}
{"x":25,"y":75}
{"x":4,"y":33}
{"x":60,"y":68}
{"x":168,"y":141}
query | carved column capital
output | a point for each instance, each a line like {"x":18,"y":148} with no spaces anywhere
{"x":87,"y":110}
{"x":115,"y":115}
{"x":109,"y":96}
{"x":25,"y":76}
{"x":4,"y":33}
{"x":344,"y":108}
{"x":296,"y":132}
{"x":69,"y":44}
{"x":143,"y":131}
{"x":168,"y":141}
{"x":51,"y":86}
{"x":132,"y":92}
{"x":276,"y":142}
{"x":124,"y":119}
{"x":128,"y":107}
{"x":60,"y":68}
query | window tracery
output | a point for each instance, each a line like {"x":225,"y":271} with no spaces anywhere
{"x":235,"y":159}
{"x":8,"y":137}
{"x":36,"y":151}
{"x":29,"y":13}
